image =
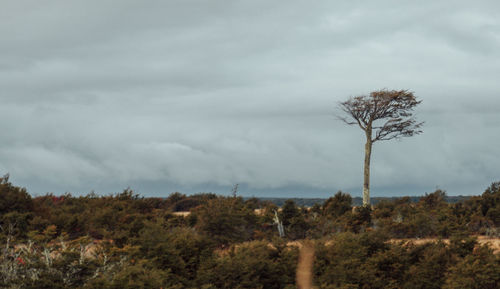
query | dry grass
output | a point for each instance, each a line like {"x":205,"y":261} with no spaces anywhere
{"x":493,"y":243}
{"x":258,"y":212}
{"x":183,"y":214}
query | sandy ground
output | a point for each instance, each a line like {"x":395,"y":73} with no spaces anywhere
{"x":493,"y":243}
{"x":187,"y":213}
{"x":184,"y":213}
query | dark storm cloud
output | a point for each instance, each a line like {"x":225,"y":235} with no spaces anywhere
{"x":199,"y":95}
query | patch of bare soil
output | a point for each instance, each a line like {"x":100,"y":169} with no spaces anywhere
{"x":492,"y":242}
{"x":258,"y":212}
{"x":183,"y":213}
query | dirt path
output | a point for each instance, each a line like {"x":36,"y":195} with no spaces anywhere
{"x":304,"y":273}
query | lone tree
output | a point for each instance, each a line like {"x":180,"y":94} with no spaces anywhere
{"x":382,"y":115}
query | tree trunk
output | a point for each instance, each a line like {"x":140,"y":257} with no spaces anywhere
{"x":366,"y":183}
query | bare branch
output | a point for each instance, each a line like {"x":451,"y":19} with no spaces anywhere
{"x":396,"y":106}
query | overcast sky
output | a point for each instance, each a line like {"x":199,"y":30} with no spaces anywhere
{"x":195,"y":96}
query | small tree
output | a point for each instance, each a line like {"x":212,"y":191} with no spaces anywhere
{"x":382,"y":115}
{"x":337,"y":205}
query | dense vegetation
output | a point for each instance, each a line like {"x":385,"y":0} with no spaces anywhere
{"x":128,"y":241}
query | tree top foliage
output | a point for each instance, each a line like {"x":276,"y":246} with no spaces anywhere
{"x":394,"y":106}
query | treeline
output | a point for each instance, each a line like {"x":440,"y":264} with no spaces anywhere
{"x":128,"y":241}
{"x":356,"y":201}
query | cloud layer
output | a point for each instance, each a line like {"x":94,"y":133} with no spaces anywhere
{"x":195,"y":96}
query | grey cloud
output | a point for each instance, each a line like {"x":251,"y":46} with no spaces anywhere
{"x":199,"y":95}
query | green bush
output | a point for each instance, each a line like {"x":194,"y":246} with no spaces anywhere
{"x":226,"y":220}
{"x":253,"y":265}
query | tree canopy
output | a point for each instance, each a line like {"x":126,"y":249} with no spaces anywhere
{"x":393,"y":107}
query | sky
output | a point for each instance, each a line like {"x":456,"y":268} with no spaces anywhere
{"x":196,"y":96}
